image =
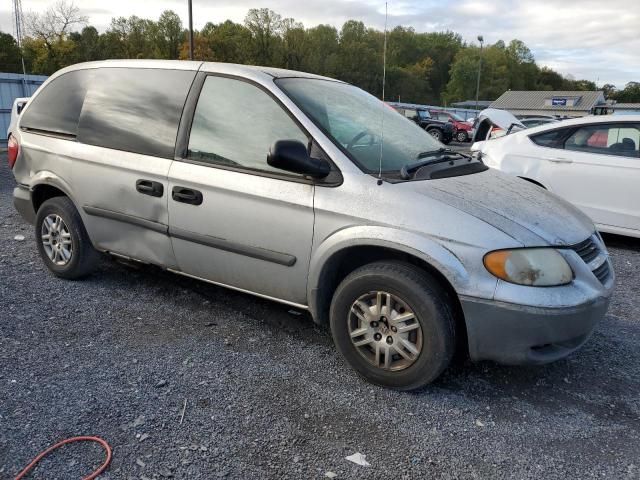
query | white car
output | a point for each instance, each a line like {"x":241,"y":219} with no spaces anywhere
{"x":18,"y":105}
{"x":594,"y":162}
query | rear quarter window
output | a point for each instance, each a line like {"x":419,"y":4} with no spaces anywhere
{"x":549,"y":139}
{"x":57,"y":107}
{"x":135,"y":109}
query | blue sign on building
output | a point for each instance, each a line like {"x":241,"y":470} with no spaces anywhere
{"x":559,"y":102}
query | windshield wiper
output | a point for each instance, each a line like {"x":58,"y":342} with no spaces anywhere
{"x":446,"y":155}
{"x":432,"y":153}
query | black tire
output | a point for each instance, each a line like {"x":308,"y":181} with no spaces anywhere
{"x":461,"y":136}
{"x":425,"y":297}
{"x":435,"y":133}
{"x":84,"y":258}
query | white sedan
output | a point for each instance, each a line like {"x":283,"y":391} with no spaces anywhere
{"x":594,"y":162}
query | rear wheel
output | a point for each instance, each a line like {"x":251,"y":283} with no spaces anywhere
{"x":435,"y":133}
{"x":393,"y":323}
{"x":62,"y":240}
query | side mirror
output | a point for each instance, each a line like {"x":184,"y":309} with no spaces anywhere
{"x":292,"y":156}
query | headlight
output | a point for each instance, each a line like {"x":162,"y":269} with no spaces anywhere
{"x":538,"y":267}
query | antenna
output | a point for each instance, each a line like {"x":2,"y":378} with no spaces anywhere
{"x":384,"y":51}
{"x":384,"y":80}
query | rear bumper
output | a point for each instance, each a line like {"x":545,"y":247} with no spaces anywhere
{"x":517,"y":335}
{"x":24,"y":205}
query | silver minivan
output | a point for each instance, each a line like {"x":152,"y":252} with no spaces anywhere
{"x":307,"y":191}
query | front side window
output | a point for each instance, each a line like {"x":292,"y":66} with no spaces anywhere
{"x":369,"y":131}
{"x":236,"y":123}
{"x":620,"y":140}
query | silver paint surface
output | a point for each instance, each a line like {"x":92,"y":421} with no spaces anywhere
{"x":449,"y":223}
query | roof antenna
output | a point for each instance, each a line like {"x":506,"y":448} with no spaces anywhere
{"x":384,"y":79}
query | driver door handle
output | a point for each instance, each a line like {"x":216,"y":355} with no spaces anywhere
{"x":558,"y":159}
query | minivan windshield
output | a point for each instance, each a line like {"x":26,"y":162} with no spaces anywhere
{"x":360,"y":125}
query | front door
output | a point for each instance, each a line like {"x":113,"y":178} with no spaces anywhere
{"x":233,"y":219}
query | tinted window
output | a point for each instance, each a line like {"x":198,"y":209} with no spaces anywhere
{"x":621,"y":140}
{"x":57,"y":107}
{"x":135,"y":109}
{"x":236,"y":123}
{"x":549,"y":139}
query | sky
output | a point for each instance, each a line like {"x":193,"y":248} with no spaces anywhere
{"x":588,"y":39}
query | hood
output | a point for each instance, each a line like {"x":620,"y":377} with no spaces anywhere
{"x":493,"y":118}
{"x":522,"y":210}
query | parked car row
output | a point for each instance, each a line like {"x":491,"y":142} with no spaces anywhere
{"x":279,"y":184}
{"x":441,"y":130}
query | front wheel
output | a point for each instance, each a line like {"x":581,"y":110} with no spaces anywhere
{"x":394,"y":325}
{"x":63,"y":241}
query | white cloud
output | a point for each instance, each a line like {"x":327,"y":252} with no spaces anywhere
{"x":587,"y":38}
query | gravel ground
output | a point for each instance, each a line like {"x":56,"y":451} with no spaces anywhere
{"x":267,"y":396}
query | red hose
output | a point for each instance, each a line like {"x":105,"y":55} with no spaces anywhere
{"x":104,"y":445}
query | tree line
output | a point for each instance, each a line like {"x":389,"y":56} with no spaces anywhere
{"x":422,"y":67}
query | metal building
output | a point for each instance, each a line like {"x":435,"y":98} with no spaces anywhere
{"x":12,"y":86}
{"x":553,"y":103}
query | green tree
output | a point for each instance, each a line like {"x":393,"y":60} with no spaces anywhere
{"x":10,"y":56}
{"x":265,"y":27}
{"x":441,"y":47}
{"x":49,"y":48}
{"x":549,"y":79}
{"x":294,"y":45}
{"x":169,"y":35}
{"x":87,"y":44}
{"x":323,"y":46}
{"x":228,"y":41}
{"x":360,"y":57}
{"x":629,"y":94}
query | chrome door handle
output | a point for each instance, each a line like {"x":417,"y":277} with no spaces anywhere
{"x":558,"y":160}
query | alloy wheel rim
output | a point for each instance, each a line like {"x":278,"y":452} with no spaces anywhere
{"x":56,"y":240}
{"x":385,"y":331}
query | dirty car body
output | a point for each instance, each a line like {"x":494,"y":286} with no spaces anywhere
{"x":310,"y":240}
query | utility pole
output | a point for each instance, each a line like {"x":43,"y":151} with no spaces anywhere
{"x":190,"y":31}
{"x":480,"y":39}
{"x":19,"y":27}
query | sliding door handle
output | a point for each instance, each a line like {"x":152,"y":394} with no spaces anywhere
{"x":186,"y":195}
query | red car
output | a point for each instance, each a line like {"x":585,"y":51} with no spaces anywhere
{"x":462,"y":129}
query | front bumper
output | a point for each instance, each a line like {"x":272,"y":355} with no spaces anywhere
{"x":516,"y":334}
{"x":24,"y":205}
